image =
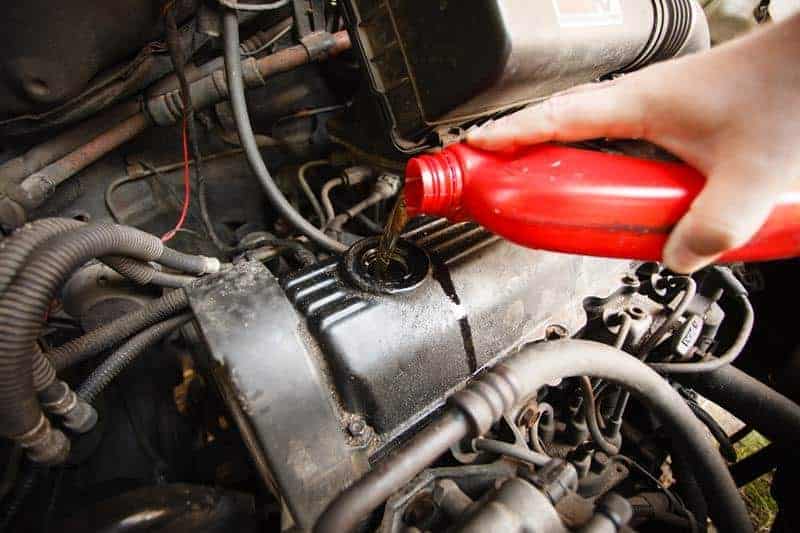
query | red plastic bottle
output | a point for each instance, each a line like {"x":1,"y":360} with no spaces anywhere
{"x":565,"y":199}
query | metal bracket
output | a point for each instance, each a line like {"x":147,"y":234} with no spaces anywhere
{"x":309,"y":16}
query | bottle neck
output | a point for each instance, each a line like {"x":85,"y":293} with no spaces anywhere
{"x":434,"y":185}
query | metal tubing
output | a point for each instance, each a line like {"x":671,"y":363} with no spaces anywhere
{"x":515,"y":380}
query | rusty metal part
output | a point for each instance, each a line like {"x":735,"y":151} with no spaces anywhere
{"x":38,"y":187}
{"x":41,"y":155}
{"x":43,"y":444}
{"x":162,"y":110}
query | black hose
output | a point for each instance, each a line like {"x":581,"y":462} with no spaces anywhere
{"x":759,"y":406}
{"x":191,"y":264}
{"x":112,"y":333}
{"x":483,"y":402}
{"x":126,"y":354}
{"x":758,"y":463}
{"x":27,"y":300}
{"x":688,"y":486}
{"x":725,"y":445}
{"x":16,"y":248}
{"x":21,"y":492}
{"x":727,"y":358}
{"x":590,"y":413}
{"x":510,"y":450}
{"x":233,"y":70}
{"x":144,"y":274}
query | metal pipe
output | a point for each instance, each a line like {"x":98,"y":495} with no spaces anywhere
{"x":41,"y":155}
{"x":161,"y":110}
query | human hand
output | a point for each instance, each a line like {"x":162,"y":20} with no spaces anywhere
{"x":732,"y":112}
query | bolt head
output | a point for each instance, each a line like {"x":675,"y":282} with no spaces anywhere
{"x":357,"y":428}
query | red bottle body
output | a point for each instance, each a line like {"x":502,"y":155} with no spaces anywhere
{"x":570,"y":200}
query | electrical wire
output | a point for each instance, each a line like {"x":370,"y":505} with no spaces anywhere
{"x":178,"y":64}
{"x":230,"y":4}
{"x":187,"y":189}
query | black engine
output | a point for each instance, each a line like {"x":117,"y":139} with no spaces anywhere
{"x":194,"y":333}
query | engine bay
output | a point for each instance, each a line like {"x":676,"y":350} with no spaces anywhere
{"x":197,"y":331}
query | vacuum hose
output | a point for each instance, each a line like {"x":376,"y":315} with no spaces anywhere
{"x":24,"y":306}
{"x":475,"y":409}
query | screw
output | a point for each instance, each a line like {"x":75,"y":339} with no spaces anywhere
{"x":554,"y":332}
{"x":357,"y":428}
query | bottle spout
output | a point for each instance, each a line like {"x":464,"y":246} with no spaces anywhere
{"x":434,"y":185}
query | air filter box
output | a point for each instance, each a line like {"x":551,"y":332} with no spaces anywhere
{"x":434,"y":64}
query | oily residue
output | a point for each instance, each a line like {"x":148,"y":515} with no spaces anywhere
{"x":441,"y":273}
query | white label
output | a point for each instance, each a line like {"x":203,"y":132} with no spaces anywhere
{"x":588,"y":13}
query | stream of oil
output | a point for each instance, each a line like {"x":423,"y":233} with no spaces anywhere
{"x":441,"y":273}
{"x":391,"y":236}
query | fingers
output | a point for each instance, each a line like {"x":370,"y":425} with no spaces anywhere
{"x":616,"y":109}
{"x":727,"y":214}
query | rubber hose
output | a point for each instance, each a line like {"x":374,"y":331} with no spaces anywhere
{"x":689,"y":488}
{"x":233,"y":71}
{"x":20,"y":494}
{"x":42,"y":370}
{"x":758,"y":405}
{"x":112,"y":333}
{"x":27,"y":300}
{"x":126,"y":354}
{"x":725,"y":445}
{"x":476,"y":408}
{"x":17,"y":247}
{"x":144,"y":274}
{"x":191,"y":264}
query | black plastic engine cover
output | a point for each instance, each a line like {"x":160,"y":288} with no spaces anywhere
{"x":337,"y":354}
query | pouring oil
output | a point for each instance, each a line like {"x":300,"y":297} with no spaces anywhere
{"x":391,"y":235}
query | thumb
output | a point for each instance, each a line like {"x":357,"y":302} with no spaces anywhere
{"x":728,"y":212}
{"x":617,"y":108}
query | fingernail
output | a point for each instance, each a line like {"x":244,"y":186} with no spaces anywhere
{"x":680,"y":258}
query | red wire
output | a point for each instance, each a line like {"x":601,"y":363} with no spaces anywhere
{"x":187,"y":188}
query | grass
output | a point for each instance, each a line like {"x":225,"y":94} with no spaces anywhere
{"x":757,"y":494}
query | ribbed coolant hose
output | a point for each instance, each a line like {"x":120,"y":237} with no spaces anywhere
{"x":112,"y":333}
{"x":27,"y":298}
{"x":476,"y":408}
{"x":126,"y":354}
